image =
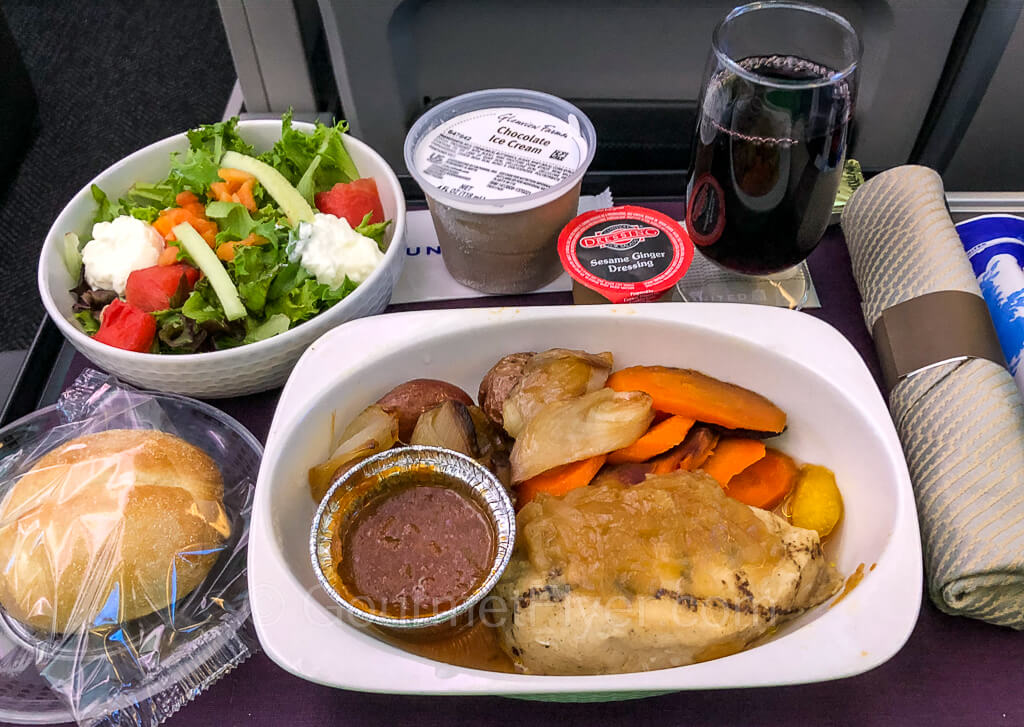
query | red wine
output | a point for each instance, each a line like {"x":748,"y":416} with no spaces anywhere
{"x":766,"y":164}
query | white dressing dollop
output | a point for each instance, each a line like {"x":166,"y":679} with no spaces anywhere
{"x":331,"y":250}
{"x":116,"y":249}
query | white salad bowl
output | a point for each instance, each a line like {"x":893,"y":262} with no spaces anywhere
{"x":836,"y":417}
{"x":254,"y":367}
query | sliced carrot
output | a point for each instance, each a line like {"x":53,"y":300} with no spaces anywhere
{"x":234,"y":176}
{"x":732,"y":455}
{"x":560,"y":480}
{"x":699,"y":396}
{"x":659,"y":438}
{"x":168,"y":256}
{"x":765,"y":483}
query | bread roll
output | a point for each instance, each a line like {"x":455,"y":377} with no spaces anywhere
{"x":109,"y":527}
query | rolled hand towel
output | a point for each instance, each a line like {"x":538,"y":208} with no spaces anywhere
{"x":958,"y":413}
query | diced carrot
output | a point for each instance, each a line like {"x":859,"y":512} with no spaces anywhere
{"x":659,"y":438}
{"x":765,"y":483}
{"x":226,"y":251}
{"x":169,"y":218}
{"x":244,"y":195}
{"x":165,"y":223}
{"x":221,"y":190}
{"x":253,"y":239}
{"x":207,"y":229}
{"x":185,"y":198}
{"x":732,"y":456}
{"x":196,"y":210}
{"x":234,"y":176}
{"x":168,"y":256}
{"x":560,"y":480}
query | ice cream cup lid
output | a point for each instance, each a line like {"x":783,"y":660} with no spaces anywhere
{"x":627,"y":254}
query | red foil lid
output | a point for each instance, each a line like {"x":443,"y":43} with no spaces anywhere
{"x":627,"y":254}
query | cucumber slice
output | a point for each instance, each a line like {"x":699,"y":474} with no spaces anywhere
{"x":72,"y":255}
{"x":294,"y":206}
{"x":203,"y":256}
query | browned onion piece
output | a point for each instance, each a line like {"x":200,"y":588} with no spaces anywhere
{"x":574,"y":429}
{"x":447,"y":425}
{"x":373,"y":430}
{"x":494,"y":446}
{"x":552,"y":376}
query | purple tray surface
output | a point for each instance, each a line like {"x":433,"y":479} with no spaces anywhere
{"x":952,"y":671}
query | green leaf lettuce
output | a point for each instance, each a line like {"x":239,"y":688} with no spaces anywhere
{"x":314,"y":161}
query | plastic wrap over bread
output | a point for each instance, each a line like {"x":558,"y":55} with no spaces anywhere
{"x":123,"y":524}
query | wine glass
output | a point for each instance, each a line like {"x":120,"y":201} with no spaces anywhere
{"x":769,"y":148}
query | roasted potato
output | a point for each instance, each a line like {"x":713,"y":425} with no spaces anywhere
{"x":499,"y":381}
{"x":414,"y":397}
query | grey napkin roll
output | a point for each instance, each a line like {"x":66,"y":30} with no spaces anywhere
{"x":961,"y":421}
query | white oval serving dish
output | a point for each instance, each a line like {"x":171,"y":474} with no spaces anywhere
{"x":836,"y":417}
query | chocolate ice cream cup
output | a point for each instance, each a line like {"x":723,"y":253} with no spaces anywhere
{"x":501,"y":170}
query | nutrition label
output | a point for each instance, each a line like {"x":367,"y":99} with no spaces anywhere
{"x":500,"y":153}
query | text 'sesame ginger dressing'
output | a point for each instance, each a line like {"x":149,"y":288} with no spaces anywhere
{"x":624,"y":255}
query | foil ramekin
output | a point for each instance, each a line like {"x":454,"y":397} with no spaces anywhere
{"x":341,"y":503}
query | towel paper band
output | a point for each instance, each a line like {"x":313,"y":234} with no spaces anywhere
{"x":933,"y":328}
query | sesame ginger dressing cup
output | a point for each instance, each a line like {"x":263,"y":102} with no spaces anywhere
{"x":501,"y":171}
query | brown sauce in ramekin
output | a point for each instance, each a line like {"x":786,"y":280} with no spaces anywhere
{"x":415,"y":550}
